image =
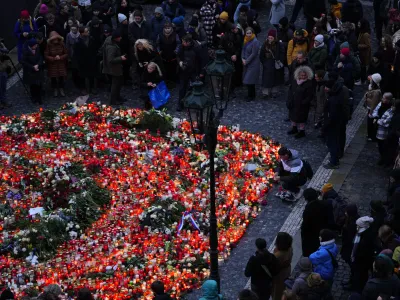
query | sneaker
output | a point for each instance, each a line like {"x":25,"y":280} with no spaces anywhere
{"x":358,"y":82}
{"x":331,"y":166}
{"x":288,"y":196}
{"x":279,"y":194}
{"x":299,"y":194}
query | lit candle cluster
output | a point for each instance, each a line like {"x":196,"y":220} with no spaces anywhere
{"x":117,"y":257}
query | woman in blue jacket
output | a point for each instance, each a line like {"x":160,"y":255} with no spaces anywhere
{"x":24,"y":26}
{"x":323,"y":259}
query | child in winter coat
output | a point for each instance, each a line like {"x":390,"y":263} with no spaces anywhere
{"x":298,"y":43}
{"x":324,"y":258}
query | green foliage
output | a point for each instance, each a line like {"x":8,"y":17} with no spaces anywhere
{"x":156,"y":120}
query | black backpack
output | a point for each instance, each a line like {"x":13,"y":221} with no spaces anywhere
{"x":307,"y":167}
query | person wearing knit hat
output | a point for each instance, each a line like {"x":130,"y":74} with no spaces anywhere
{"x":220,"y":28}
{"x":313,"y":222}
{"x":272,"y":52}
{"x":224,"y":16}
{"x":300,"y":286}
{"x":157,"y":23}
{"x":372,"y":98}
{"x":43,"y":9}
{"x":345,"y":51}
{"x":22,"y":29}
{"x":173,"y":9}
{"x":326,"y":187}
{"x":319,"y":53}
{"x":122,"y":18}
{"x":344,"y":66}
{"x":323,"y":259}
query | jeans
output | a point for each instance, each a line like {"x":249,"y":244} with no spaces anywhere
{"x":3,"y":87}
{"x":116,"y":84}
{"x":57,"y":82}
{"x":333,"y":144}
{"x":293,"y":182}
{"x":297,"y":7}
{"x":237,"y":11}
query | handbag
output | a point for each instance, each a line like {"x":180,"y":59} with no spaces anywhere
{"x":159,"y":95}
{"x":278,"y":63}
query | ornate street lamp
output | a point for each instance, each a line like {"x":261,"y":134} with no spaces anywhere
{"x":220,"y":73}
{"x":203,"y":121}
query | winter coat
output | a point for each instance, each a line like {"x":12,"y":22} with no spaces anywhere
{"x":19,"y":30}
{"x":299,"y":100}
{"x":232,"y":44}
{"x":364,"y":48}
{"x":210,"y":291}
{"x":284,"y":263}
{"x":112,"y":61}
{"x":381,"y":286}
{"x":272,"y":77}
{"x":365,"y":253}
{"x":334,"y":116}
{"x":220,"y":29}
{"x":349,"y":231}
{"x":157,"y":26}
{"x":294,"y":47}
{"x":105,"y":9}
{"x":314,"y":220}
{"x":251,"y":70}
{"x":372,"y":98}
{"x":300,"y":286}
{"x":47,"y":29}
{"x":40,"y":21}
{"x":28,"y":60}
{"x":261,"y":282}
{"x":173,"y":10}
{"x":278,"y":11}
{"x":318,"y":57}
{"x":207,"y":14}
{"x":284,"y":36}
{"x":352,"y":11}
{"x":153,"y":77}
{"x":383,"y":126}
{"x":56,"y":68}
{"x":322,"y":261}
{"x":193,"y":61}
{"x":168,"y":46}
{"x":86,"y":62}
{"x":139,"y":31}
{"x":70,"y":44}
{"x":346,"y":71}
{"x":314,"y":8}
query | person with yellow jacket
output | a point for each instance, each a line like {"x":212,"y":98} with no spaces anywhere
{"x":298,"y":43}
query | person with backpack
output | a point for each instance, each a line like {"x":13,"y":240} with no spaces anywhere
{"x":335,"y":206}
{"x":262,"y":267}
{"x":324,"y":259}
{"x":292,"y":173}
{"x":300,"y":285}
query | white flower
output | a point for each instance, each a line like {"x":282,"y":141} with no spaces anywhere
{"x":23,"y":249}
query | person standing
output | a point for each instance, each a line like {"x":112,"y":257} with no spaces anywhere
{"x":320,"y":96}
{"x":207,"y":14}
{"x":271,"y":52}
{"x":297,"y":44}
{"x":372,"y":98}
{"x":157,"y":23}
{"x":262,"y":267}
{"x":56,"y":57}
{"x":333,"y":118}
{"x":314,"y":220}
{"x":382,"y":115}
{"x":313,"y":9}
{"x":32,"y":65}
{"x":221,"y":27}
{"x":191,"y":66}
{"x":380,"y":16}
{"x":284,"y":253}
{"x":251,"y":62}
{"x":85,"y":60}
{"x":352,"y":11}
{"x":278,"y":11}
{"x":345,"y":68}
{"x":112,"y":65}
{"x":364,"y":48}
{"x":173,"y":9}
{"x":319,"y":53}
{"x":22,"y":28}
{"x":168,"y":45}
{"x":300,"y":95}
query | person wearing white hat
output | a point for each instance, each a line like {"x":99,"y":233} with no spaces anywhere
{"x":122,"y":18}
{"x":319,"y":53}
{"x":372,"y":98}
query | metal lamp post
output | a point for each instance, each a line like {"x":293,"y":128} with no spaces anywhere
{"x":204,"y":121}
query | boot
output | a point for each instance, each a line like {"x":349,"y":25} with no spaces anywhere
{"x":55,"y":93}
{"x":293,"y":130}
{"x":300,"y":134}
{"x":62,"y":93}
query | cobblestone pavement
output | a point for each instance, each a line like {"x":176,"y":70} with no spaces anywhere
{"x":264,"y":116}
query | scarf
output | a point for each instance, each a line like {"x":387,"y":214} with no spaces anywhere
{"x":320,"y":45}
{"x":363,"y":224}
{"x":300,"y":81}
{"x":74,"y":35}
{"x":248,"y":39}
